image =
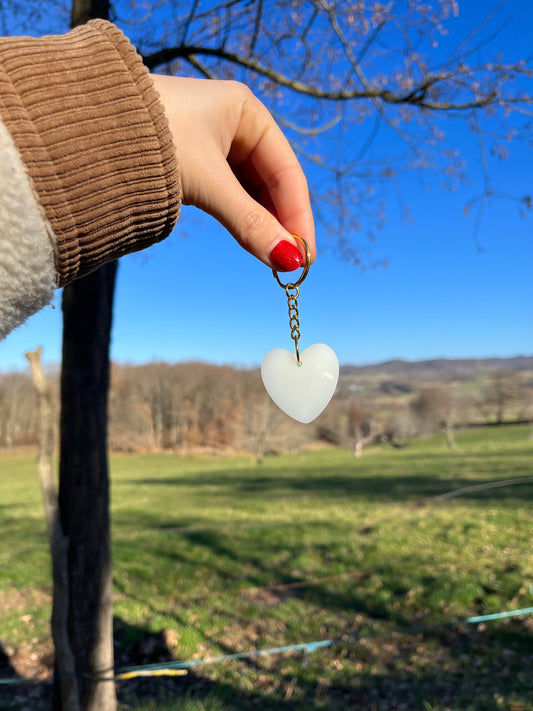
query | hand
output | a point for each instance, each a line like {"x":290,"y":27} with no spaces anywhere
{"x":237,"y":165}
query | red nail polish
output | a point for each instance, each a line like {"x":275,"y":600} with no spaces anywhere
{"x":286,"y":257}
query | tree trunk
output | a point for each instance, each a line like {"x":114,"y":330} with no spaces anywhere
{"x":84,"y":484}
{"x":450,"y":435}
{"x":361,"y":440}
{"x":84,"y":10}
{"x":83,"y":472}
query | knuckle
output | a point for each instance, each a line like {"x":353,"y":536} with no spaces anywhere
{"x":239,"y":92}
{"x":256,"y":223}
{"x":241,"y":89}
{"x":246,"y":98}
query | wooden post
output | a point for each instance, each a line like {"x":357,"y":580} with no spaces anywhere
{"x":68,"y":680}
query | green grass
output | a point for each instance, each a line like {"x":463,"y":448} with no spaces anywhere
{"x":216,"y":556}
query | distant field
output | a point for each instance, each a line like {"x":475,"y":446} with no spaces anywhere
{"x":217,"y":556}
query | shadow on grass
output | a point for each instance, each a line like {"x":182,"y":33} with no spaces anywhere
{"x":24,"y":693}
{"x":468,"y":668}
{"x":449,"y":669}
{"x":479,"y":669}
{"x":410,"y":478}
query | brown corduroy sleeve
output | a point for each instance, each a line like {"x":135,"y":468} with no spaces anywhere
{"x":88,"y":123}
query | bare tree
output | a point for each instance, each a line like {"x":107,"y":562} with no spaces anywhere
{"x":400,"y":427}
{"x":435,"y":410}
{"x":263,"y":427}
{"x":18,"y":421}
{"x":364,"y":92}
{"x":502,"y":393}
{"x":83,"y":473}
{"x":360,"y":428}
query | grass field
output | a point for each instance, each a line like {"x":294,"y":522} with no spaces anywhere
{"x":217,"y":556}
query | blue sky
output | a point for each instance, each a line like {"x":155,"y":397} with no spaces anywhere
{"x":199,"y":296}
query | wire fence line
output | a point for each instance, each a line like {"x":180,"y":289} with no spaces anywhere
{"x":180,"y":668}
{"x":480,"y":487}
{"x":309,"y":647}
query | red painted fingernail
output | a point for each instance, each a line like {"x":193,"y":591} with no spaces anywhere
{"x":286,"y":257}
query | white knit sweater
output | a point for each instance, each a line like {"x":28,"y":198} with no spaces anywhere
{"x":27,"y":243}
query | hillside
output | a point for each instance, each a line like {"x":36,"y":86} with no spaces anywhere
{"x":412,"y":396}
{"x":442,"y":369}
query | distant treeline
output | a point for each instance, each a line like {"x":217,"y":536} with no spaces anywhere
{"x":199,"y":406}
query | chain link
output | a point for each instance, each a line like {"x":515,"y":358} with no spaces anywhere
{"x":294,"y":324}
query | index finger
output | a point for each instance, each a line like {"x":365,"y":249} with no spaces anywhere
{"x":262,"y":153}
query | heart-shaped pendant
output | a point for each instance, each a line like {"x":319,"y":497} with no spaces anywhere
{"x":301,"y":391}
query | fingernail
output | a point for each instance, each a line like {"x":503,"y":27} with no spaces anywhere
{"x":286,"y":257}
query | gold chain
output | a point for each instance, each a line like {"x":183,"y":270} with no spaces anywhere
{"x":294,"y":323}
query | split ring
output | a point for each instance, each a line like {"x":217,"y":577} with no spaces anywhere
{"x":296,"y":284}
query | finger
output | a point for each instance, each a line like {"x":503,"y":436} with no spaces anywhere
{"x":261,"y":151}
{"x":252,"y":224}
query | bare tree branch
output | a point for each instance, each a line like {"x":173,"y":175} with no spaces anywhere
{"x":314,"y":131}
{"x":416,"y":96}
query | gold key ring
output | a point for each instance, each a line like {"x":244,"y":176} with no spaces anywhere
{"x":307,"y":264}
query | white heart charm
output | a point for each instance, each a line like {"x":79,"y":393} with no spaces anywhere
{"x":301,"y":391}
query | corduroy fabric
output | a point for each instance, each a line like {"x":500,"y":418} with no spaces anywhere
{"x":88,"y":123}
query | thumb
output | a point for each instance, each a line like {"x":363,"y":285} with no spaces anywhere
{"x":254,"y":227}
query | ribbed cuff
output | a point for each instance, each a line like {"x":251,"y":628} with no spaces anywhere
{"x":88,"y":123}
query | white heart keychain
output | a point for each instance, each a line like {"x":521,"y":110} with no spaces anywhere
{"x":301,"y":387}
